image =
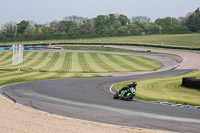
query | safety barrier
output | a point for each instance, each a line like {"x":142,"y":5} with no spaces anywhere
{"x":30,"y":47}
{"x":191,"y":82}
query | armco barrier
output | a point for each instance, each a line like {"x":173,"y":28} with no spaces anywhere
{"x":191,"y":82}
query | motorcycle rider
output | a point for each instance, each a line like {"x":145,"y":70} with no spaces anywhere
{"x":127,"y":88}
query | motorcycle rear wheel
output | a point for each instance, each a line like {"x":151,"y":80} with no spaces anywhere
{"x":127,"y":98}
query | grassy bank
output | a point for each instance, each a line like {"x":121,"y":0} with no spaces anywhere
{"x":7,"y":77}
{"x":177,"y":40}
{"x":167,"y":89}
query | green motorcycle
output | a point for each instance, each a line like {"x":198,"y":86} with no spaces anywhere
{"x":125,"y":94}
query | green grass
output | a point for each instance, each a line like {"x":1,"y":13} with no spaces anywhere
{"x":39,"y":61}
{"x":93,"y":61}
{"x":52,"y":62}
{"x":68,"y":62}
{"x":84,"y":63}
{"x":166,"y":89}
{"x":96,"y":48}
{"x":51,"y":65}
{"x":178,"y":40}
{"x":22,"y":76}
{"x":67,"y":65}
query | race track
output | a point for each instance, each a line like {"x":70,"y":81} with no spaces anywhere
{"x":90,"y":99}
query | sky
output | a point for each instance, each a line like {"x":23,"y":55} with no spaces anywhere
{"x":44,"y":11}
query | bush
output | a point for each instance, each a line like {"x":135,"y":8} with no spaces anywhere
{"x":191,"y":82}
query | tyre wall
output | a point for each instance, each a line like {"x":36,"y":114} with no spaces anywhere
{"x":191,"y":82}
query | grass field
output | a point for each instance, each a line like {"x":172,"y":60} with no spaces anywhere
{"x":79,"y":62}
{"x":7,"y":77}
{"x":178,"y":40}
{"x":48,"y":65}
{"x":166,"y":89}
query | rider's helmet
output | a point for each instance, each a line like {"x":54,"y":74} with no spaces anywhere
{"x":134,"y":84}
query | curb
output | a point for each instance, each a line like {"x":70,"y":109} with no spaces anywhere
{"x":177,"y":105}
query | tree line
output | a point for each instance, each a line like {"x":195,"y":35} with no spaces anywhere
{"x":100,"y":26}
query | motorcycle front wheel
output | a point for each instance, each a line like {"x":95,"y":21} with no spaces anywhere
{"x":115,"y":96}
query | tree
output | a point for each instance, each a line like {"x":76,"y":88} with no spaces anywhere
{"x":149,"y":28}
{"x":21,"y":27}
{"x":156,"y":29}
{"x":193,"y":21}
{"x":141,"y":19}
{"x":30,"y":32}
{"x":134,"y":29}
{"x":63,"y":26}
{"x":113,"y":20}
{"x":182,"y":20}
{"x":145,"y":27}
{"x":88,"y":27}
{"x":54,"y":26}
{"x":100,"y":23}
{"x":75,"y":18}
{"x":73,"y":31}
{"x":122,"y":31}
{"x":2,"y":37}
{"x":9,"y":29}
{"x":123,"y":20}
{"x":169,"y":25}
{"x":108,"y":31}
{"x":43,"y":32}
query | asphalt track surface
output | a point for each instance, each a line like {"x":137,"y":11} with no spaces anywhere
{"x":90,"y":99}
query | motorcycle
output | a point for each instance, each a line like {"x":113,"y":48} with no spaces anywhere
{"x":125,"y":94}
